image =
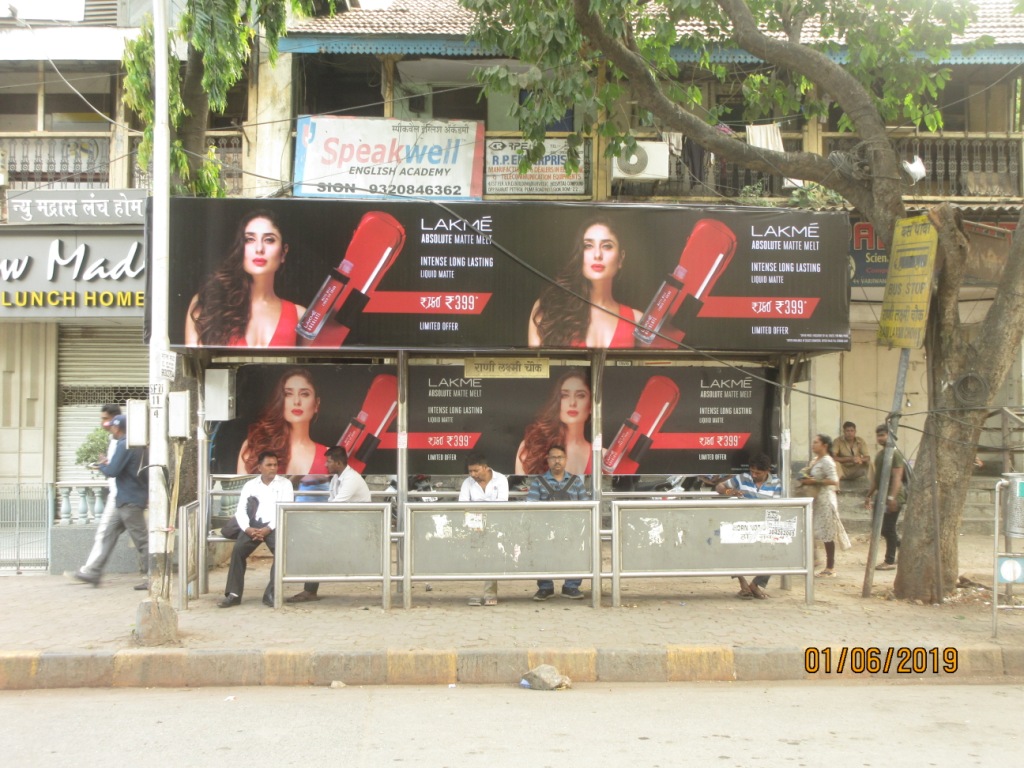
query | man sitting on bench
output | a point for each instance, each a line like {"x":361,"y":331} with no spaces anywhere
{"x":257,"y":517}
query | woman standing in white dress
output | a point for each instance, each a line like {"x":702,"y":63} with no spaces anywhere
{"x":821,"y":478}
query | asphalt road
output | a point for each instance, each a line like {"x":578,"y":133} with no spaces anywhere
{"x":721,"y":724}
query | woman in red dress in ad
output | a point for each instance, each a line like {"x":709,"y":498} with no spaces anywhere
{"x":559,"y":319}
{"x":283,"y":427}
{"x":562,"y":420}
{"x":237,"y":306}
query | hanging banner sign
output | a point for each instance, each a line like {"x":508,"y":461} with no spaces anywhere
{"x":506,"y":276}
{"x":361,"y":157}
{"x":908,"y":289}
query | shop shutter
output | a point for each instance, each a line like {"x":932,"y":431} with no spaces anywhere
{"x":95,"y":365}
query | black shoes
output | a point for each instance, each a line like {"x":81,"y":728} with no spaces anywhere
{"x":268,"y":601}
{"x":144,"y":586}
{"x":88,"y":578}
{"x":543,"y":594}
{"x":230,"y":601}
{"x":573,"y":593}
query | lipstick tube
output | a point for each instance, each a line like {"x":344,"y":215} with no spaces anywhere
{"x":707,"y":253}
{"x":658,"y":399}
{"x":362,"y":435}
{"x":621,"y":442}
{"x":660,"y":307}
{"x":374,"y":246}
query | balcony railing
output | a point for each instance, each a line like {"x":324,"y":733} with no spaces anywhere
{"x":694,"y":172}
{"x":228,"y":148}
{"x":963,"y":165}
{"x":57,"y":161}
{"x":957,"y":166}
{"x":62,"y":161}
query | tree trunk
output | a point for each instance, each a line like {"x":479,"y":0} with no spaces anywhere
{"x":958,"y":403}
{"x":192,"y":132}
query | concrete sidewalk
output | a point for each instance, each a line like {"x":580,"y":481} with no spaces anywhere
{"x":58,"y":633}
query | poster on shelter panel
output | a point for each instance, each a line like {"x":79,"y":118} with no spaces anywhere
{"x":299,"y":411}
{"x":656,"y":420}
{"x":685,"y":420}
{"x":511,"y":420}
{"x":506,"y":276}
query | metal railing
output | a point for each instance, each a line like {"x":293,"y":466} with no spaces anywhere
{"x":227,"y":146}
{"x":700,"y":174}
{"x":956,"y":165}
{"x":57,"y":161}
{"x":25,"y":519}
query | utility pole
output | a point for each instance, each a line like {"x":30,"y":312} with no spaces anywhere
{"x":157,"y":622}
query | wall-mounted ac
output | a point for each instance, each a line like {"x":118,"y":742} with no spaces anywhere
{"x":649,"y":161}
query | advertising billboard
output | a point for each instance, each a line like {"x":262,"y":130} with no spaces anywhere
{"x":487,"y":276}
{"x":657,"y":420}
{"x":299,"y":411}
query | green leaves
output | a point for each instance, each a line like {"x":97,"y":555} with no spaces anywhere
{"x":892,"y":49}
{"x":224,"y":32}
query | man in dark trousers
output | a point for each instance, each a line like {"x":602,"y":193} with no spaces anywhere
{"x":895,"y":497}
{"x":257,"y":517}
{"x":347,"y":485}
{"x":130,"y":503}
{"x":558,"y":485}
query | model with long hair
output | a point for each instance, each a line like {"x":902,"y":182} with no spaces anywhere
{"x":237,"y":305}
{"x":283,"y":428}
{"x":562,"y":420}
{"x":560,"y":319}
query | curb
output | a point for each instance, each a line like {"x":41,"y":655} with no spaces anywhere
{"x":183,"y":668}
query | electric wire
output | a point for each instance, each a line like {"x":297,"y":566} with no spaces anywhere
{"x":285,"y":184}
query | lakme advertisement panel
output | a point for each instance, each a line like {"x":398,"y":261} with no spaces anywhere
{"x":358,"y":157}
{"x":665,"y":420}
{"x":298,"y":412}
{"x":509,"y":276}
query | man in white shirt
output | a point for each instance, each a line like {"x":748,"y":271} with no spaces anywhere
{"x":257,"y":517}
{"x":346,"y":485}
{"x":483,"y":484}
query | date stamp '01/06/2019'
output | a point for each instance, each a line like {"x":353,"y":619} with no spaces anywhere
{"x":903,"y":660}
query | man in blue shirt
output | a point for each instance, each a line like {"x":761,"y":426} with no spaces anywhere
{"x":558,"y":485}
{"x":131,"y":501}
{"x":756,"y":483}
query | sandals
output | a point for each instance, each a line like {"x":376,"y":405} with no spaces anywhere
{"x":827,"y":573}
{"x":486,"y":600}
{"x":757,"y":592}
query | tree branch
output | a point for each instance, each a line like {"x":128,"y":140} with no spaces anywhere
{"x":642,"y":83}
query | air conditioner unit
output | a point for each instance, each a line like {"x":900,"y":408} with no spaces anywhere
{"x":649,"y":161}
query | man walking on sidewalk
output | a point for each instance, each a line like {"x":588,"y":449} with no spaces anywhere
{"x":131,"y":500}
